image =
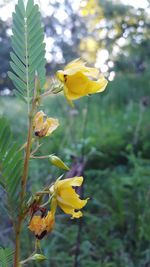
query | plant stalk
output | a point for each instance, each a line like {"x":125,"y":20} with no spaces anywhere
{"x":22,"y":194}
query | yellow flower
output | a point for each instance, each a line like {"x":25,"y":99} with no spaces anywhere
{"x":44,"y":126}
{"x":66,"y":197}
{"x":80,"y":80}
{"x":42,"y":225}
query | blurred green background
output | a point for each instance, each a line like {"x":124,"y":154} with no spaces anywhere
{"x":110,"y":130}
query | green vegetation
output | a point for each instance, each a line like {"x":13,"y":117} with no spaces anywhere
{"x":115,"y":136}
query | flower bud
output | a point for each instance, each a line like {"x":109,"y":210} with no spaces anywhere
{"x":58,"y":162}
{"x":38,"y":257}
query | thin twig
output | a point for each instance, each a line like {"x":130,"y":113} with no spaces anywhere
{"x":40,"y":157}
{"x":47,"y":93}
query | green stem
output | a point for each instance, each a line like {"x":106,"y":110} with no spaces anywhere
{"x":41,"y":157}
{"x":26,"y":162}
{"x":47,"y":93}
{"x":22,"y":194}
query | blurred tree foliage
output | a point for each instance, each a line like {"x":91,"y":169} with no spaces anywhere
{"x":4,"y":55}
{"x":120,"y":29}
{"x":66,"y":28}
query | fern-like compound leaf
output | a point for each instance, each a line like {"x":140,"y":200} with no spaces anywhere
{"x":28,"y":55}
{"x":11,"y":164}
{"x":6,"y":257}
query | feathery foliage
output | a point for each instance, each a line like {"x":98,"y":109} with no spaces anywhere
{"x":6,"y":257}
{"x":28,"y":55}
{"x":10,"y":166}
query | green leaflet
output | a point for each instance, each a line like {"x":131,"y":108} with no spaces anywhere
{"x":11,"y":161}
{"x":28,"y":55}
{"x":6,"y":257}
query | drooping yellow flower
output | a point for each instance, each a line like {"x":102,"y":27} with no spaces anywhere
{"x":44,"y":126}
{"x":65,"y":196}
{"x":42,"y":225}
{"x":80,"y":80}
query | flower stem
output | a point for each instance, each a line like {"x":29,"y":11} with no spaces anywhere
{"x":49,"y":92}
{"x":40,"y":157}
{"x":26,"y":162}
{"x":22,"y":194}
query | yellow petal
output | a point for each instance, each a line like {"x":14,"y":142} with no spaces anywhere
{"x":78,"y":80}
{"x":52,"y":125}
{"x":60,"y":75}
{"x":102,"y":82}
{"x":44,"y":126}
{"x":92,"y":72}
{"x":53,"y":206}
{"x":66,"y":95}
{"x":79,"y":85}
{"x":66,"y":197}
{"x":70,"y":198}
{"x":49,"y":221}
{"x":68,"y":210}
{"x":39,"y":225}
{"x":76,"y":85}
{"x":36,"y":225}
{"x":38,"y":120}
{"x":74,"y":66}
{"x":75,"y":181}
{"x":76,"y":214}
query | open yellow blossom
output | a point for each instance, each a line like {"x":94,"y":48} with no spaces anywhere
{"x":66,"y":197}
{"x":44,"y":126}
{"x":80,"y":80}
{"x":42,"y":225}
